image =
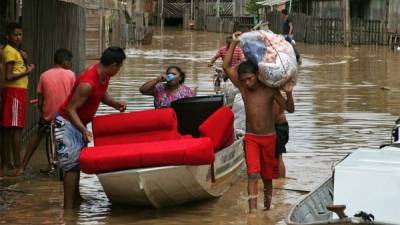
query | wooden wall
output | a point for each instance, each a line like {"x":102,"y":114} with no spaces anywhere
{"x":312,"y":29}
{"x":326,"y":8}
{"x":394,"y":16}
{"x":3,"y":12}
{"x":377,"y":10}
{"x":9,"y":12}
{"x":47,"y":26}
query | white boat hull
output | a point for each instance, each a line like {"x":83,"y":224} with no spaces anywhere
{"x":173,"y":185}
{"x":312,"y":209}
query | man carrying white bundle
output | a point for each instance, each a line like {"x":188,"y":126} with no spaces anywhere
{"x":260,"y":137}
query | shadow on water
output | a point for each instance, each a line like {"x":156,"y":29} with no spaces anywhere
{"x":345,"y":98}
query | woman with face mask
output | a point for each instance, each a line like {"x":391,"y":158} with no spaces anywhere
{"x":167,"y":87}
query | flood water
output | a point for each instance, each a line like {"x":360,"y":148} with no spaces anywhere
{"x":345,"y":98}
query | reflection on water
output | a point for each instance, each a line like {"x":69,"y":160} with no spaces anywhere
{"x":345,"y":98}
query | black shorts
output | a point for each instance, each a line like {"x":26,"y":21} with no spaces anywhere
{"x":44,"y":126}
{"x":282,"y":137}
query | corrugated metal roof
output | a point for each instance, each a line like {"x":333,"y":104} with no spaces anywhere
{"x":272,"y":2}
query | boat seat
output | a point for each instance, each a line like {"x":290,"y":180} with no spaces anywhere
{"x":110,"y":158}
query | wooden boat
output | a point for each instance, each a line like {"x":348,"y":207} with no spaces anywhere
{"x":154,"y":177}
{"x":317,"y":208}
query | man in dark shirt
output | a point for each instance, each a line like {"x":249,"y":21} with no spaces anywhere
{"x":287,"y":30}
{"x":287,"y":27}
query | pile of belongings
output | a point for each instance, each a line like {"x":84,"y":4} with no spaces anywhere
{"x":274,"y":56}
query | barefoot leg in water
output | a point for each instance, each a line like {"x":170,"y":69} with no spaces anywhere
{"x":252,"y":191}
{"x":282,"y":168}
{"x":267,"y":194}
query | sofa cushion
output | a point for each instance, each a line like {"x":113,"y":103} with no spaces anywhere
{"x":130,"y":138}
{"x":132,"y":127}
{"x":101,"y":159}
{"x":219,"y":128}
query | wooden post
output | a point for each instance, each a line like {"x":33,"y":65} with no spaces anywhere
{"x":205,"y":15}
{"x":217,"y":8}
{"x":191,"y":9}
{"x":346,"y":23}
{"x":234,"y":8}
{"x":162,"y":13}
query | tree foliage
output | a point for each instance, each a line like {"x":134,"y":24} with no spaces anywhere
{"x":252,"y":7}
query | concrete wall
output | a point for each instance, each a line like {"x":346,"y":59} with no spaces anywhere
{"x":105,"y":20}
{"x":146,"y":6}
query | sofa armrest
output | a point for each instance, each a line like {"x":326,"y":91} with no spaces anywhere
{"x":219,"y":128}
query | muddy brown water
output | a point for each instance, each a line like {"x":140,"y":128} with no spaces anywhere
{"x":345,"y":98}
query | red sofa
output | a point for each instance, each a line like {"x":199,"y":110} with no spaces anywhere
{"x":150,"y":138}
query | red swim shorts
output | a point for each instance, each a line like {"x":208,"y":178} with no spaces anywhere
{"x":14,"y":107}
{"x":260,"y":155}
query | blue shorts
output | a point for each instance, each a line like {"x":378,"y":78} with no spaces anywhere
{"x":289,"y":38}
{"x":69,"y":149}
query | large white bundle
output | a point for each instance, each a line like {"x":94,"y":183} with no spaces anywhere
{"x":274,"y":56}
{"x":230,"y":91}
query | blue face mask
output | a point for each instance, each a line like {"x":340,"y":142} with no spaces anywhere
{"x":170,"y":77}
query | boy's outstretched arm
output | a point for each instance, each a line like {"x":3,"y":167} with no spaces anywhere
{"x":289,"y":102}
{"x":229,"y":70}
{"x":214,"y":58}
{"x":288,"y":88}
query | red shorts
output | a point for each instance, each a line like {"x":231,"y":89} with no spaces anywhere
{"x":260,"y":155}
{"x":14,"y":107}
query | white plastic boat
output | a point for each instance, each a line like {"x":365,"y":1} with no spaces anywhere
{"x":358,"y":187}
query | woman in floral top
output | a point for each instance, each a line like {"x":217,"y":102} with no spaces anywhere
{"x":167,"y":88}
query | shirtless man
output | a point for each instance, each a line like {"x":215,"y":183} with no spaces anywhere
{"x":282,"y":135}
{"x":260,"y":138}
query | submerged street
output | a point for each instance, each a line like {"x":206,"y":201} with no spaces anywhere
{"x":345,"y":98}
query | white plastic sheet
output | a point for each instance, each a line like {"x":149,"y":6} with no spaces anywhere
{"x":240,"y":114}
{"x":230,"y":91}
